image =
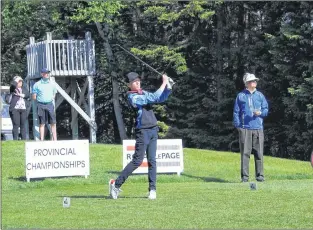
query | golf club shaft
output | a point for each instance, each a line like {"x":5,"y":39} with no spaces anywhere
{"x":140,"y":60}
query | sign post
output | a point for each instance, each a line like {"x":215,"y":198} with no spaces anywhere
{"x":57,"y":158}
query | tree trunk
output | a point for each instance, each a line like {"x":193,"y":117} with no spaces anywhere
{"x":104,"y":32}
{"x":241,"y":42}
{"x":219,"y":48}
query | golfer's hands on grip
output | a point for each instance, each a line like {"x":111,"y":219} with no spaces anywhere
{"x":165,"y":78}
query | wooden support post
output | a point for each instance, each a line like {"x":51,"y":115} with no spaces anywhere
{"x":74,"y":123}
{"x":27,"y":82}
{"x":92,"y":114}
{"x":60,"y":99}
{"x":49,"y":56}
{"x":49,"y":127}
{"x":82,"y":92}
{"x":34,"y":103}
{"x":79,"y":110}
{"x":81,"y":99}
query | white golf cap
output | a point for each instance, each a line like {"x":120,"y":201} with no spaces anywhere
{"x":17,"y":78}
{"x":249,"y":77}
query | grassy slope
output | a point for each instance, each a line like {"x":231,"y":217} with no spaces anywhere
{"x":207,"y":195}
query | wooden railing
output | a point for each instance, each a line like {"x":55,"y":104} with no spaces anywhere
{"x":61,"y":57}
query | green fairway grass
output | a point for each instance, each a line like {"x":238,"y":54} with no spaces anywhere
{"x":207,"y":195}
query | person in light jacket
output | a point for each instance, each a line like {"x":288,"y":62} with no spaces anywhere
{"x":250,"y":109}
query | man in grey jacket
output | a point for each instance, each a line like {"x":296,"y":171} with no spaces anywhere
{"x":249,"y":110}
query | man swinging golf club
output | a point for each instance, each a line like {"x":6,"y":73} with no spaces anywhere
{"x":146,"y":131}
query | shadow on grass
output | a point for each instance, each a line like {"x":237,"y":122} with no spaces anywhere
{"x":119,"y":172}
{"x":114,"y":172}
{"x":207,"y":179}
{"x":104,"y":197}
{"x":24,"y":179}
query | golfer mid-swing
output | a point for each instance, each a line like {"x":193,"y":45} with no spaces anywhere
{"x":146,"y":132}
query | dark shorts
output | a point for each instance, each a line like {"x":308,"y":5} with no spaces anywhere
{"x":46,"y":113}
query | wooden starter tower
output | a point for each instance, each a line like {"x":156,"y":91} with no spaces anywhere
{"x":67,"y":60}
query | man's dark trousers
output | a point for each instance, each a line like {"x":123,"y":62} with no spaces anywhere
{"x":146,"y":141}
{"x":251,"y":140}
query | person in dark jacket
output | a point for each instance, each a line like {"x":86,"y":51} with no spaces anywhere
{"x":18,"y":107}
{"x":250,"y":109}
{"x":146,"y":132}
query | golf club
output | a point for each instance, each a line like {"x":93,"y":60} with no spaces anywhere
{"x":170,"y":80}
{"x":139,"y":59}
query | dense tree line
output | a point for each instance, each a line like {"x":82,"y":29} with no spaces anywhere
{"x":206,"y":47}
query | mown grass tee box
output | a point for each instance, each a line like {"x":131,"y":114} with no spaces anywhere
{"x":208,"y":194}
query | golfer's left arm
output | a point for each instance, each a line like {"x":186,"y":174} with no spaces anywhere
{"x":164,"y":95}
{"x":146,"y":98}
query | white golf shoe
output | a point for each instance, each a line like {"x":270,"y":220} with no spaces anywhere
{"x":152,"y":195}
{"x":114,"y":192}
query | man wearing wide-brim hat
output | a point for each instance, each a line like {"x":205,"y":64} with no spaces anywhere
{"x":250,"y":109}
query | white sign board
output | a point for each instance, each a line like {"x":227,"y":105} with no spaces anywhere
{"x":57,"y":158}
{"x":169,"y":156}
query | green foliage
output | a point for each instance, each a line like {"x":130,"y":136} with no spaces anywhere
{"x":206,"y":47}
{"x":163,"y":129}
{"x":16,"y":13}
{"x":198,"y":7}
{"x":98,"y":11}
{"x":207,"y":15}
{"x":155,"y":11}
{"x":166,"y":14}
{"x":268,"y":36}
{"x":21,"y":20}
{"x":165,"y":54}
{"x":292,"y":36}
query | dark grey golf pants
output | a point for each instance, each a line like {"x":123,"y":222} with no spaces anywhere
{"x":251,"y":140}
{"x":146,"y":141}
